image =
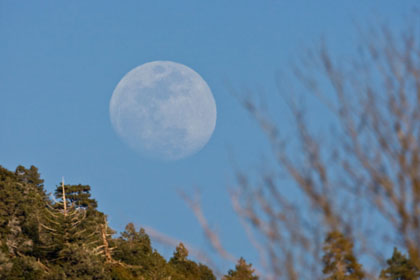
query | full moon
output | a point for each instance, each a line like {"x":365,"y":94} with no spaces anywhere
{"x":163,"y":110}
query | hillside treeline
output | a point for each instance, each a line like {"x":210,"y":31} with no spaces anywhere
{"x":65,"y":236}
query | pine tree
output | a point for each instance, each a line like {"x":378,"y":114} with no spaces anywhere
{"x":339,"y":260}
{"x":29,"y":176}
{"x":243,"y":271}
{"x":68,"y":238}
{"x":63,"y":224}
{"x":21,"y":196}
{"x":134,"y":250}
{"x":184,"y":269}
{"x":71,"y":241}
{"x":77,"y":195}
{"x":180,"y":254}
{"x":400,"y":268}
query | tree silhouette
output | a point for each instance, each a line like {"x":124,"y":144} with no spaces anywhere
{"x":339,"y":260}
{"x":243,"y":271}
{"x":69,"y":238}
{"x":185,"y":269}
{"x":400,"y":268}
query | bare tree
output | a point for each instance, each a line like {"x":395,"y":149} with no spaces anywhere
{"x":357,"y":172}
{"x":352,"y":168}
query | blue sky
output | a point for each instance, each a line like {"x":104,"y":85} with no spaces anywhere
{"x":61,"y":60}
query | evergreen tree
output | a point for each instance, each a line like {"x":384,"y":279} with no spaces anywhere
{"x":70,"y":239}
{"x":243,"y":271}
{"x":184,"y":269}
{"x":135,"y":250}
{"x":24,"y":267}
{"x":29,"y":176}
{"x":339,"y":260}
{"x":180,"y":254}
{"x":400,"y":268}
{"x":77,"y":195}
{"x":21,"y":197}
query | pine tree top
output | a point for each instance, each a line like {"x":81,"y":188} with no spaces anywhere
{"x":339,"y":260}
{"x":400,"y":268}
{"x":243,"y":271}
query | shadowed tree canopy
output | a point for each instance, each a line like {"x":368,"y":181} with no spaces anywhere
{"x":68,"y":238}
{"x":185,"y":269}
{"x":79,"y":195}
{"x":400,"y":268}
{"x":339,"y":260}
{"x":243,"y":271}
{"x":29,"y":176}
{"x":134,"y":248}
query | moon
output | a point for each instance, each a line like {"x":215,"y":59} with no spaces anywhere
{"x":163,"y":110}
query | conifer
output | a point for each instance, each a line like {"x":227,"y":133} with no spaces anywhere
{"x":400,"y":268}
{"x":68,"y":238}
{"x":243,"y":271}
{"x":184,"y":269}
{"x":339,"y":260}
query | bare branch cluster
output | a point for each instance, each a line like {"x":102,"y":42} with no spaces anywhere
{"x":361,"y":176}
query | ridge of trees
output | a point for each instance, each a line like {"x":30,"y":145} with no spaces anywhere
{"x":69,"y":238}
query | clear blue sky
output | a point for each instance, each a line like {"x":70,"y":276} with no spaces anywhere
{"x":61,"y":60}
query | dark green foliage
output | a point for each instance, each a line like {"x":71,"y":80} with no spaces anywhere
{"x":205,"y":272}
{"x":70,"y":238}
{"x":24,"y":268}
{"x":78,"y":262}
{"x":29,"y":176}
{"x":339,"y":260}
{"x":184,"y":269}
{"x":119,"y":272}
{"x":400,"y":268}
{"x":243,"y":271}
{"x":77,"y":195}
{"x":21,"y":198}
{"x":134,"y":249}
